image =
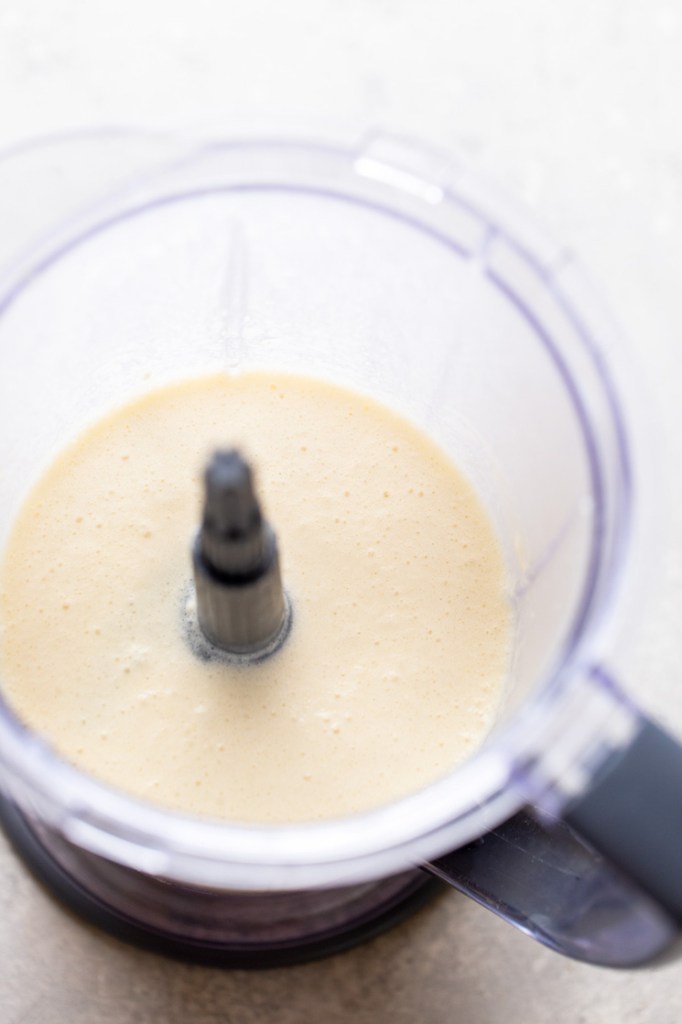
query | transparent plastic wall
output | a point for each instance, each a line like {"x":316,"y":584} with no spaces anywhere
{"x":306,"y":260}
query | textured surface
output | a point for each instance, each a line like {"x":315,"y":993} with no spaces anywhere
{"x":575,"y":108}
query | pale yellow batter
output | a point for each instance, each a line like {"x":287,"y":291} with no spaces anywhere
{"x":392,"y":673}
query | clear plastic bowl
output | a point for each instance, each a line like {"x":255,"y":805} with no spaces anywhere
{"x":130,"y":260}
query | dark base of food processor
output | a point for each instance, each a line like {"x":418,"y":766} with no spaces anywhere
{"x":388,"y":905}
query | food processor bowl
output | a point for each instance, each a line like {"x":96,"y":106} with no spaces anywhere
{"x":130,"y":260}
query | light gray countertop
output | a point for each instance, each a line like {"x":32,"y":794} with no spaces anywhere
{"x":575,"y":109}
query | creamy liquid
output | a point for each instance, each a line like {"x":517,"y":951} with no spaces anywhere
{"x":394,"y":667}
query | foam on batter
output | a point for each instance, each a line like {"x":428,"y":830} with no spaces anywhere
{"x":400,"y":643}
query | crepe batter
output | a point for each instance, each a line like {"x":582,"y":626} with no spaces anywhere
{"x":393,"y":670}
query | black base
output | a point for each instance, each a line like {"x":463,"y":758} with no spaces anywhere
{"x":71,"y":894}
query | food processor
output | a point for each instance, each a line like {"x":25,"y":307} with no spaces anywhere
{"x":131,"y":259}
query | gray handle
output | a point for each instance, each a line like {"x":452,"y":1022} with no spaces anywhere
{"x":633,"y":814}
{"x":604,"y":884}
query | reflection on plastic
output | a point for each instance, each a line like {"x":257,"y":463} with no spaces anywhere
{"x":553,"y":886}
